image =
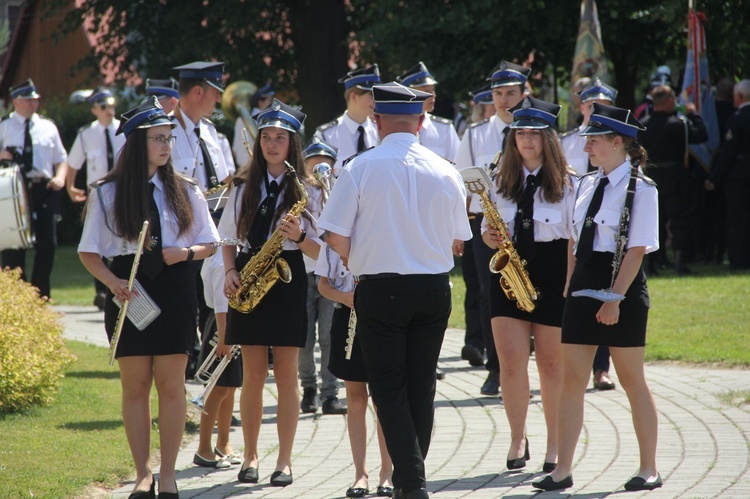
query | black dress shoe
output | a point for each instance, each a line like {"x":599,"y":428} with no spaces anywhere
{"x":547,"y":483}
{"x":248,"y":475}
{"x":473,"y":355}
{"x":549,"y":467}
{"x":145,"y":494}
{"x":491,"y":386}
{"x":638,"y":483}
{"x":357,"y":492}
{"x":439,"y":373}
{"x":519,"y":462}
{"x":169,"y":495}
{"x":199,"y":460}
{"x":100,"y":300}
{"x":309,"y":403}
{"x":385,"y":491}
{"x":333,"y":405}
{"x":281,"y":479}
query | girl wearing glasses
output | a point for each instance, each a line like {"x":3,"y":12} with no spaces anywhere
{"x":144,"y":186}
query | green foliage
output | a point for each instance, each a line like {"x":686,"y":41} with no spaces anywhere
{"x":32,"y":353}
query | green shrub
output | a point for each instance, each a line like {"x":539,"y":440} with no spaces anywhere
{"x":32,"y":352}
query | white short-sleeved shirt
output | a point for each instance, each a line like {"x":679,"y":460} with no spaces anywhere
{"x":479,"y":146}
{"x":47,"y":146}
{"x":402,"y":206}
{"x":98,"y":229}
{"x":331,"y":267}
{"x":90,"y":147}
{"x":644,"y":217}
{"x":551,"y":220}
{"x":230,"y":217}
{"x":212,"y":273}
{"x":186,"y":153}
{"x":238,"y":144}
{"x":342,"y":133}
{"x":439,"y":136}
{"x":572,"y":146}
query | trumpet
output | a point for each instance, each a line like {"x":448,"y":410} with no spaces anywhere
{"x":124,"y":309}
{"x":322,"y":173}
{"x":209,"y":375}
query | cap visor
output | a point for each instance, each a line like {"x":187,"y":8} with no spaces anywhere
{"x":595,"y":130}
{"x":278,"y":124}
{"x":218,"y":87}
{"x":528,"y":123}
{"x":32,"y":95}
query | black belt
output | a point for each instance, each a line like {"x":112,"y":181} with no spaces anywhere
{"x":393,"y":275}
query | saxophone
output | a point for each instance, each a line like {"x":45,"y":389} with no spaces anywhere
{"x":265,"y":268}
{"x":515,"y":281}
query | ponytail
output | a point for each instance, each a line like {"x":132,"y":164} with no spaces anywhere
{"x":636,"y":152}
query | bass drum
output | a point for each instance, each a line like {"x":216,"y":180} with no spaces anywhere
{"x":15,"y":215}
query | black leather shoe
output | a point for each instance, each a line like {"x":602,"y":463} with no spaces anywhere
{"x":638,"y":483}
{"x":236,"y":422}
{"x":549,"y":467}
{"x":439,"y":373}
{"x":309,"y":403}
{"x":491,"y":386}
{"x":281,"y":479}
{"x":169,"y":495}
{"x":334,"y":406}
{"x":385,"y":491}
{"x":248,"y":475}
{"x":519,"y":462}
{"x":602,"y":381}
{"x":145,"y":494}
{"x":357,"y":492}
{"x":100,"y":300}
{"x":473,"y":355}
{"x":547,"y":483}
{"x":199,"y":460}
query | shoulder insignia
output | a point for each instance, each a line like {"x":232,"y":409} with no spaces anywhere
{"x":479,"y":123}
{"x":569,"y":133}
{"x":100,"y":182}
{"x":440,"y":119}
{"x":208,"y":121}
{"x":347,"y":160}
{"x":646,"y":179}
{"x":237,"y":181}
{"x":326,"y":126}
{"x":221,"y":135}
{"x":189,"y":180}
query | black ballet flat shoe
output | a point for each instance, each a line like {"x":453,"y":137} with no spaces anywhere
{"x":549,"y":467}
{"x":281,"y":479}
{"x":638,"y":483}
{"x":385,"y":491}
{"x":248,"y":475}
{"x":169,"y":495}
{"x":547,"y":483}
{"x":519,"y":462}
{"x":145,"y":494}
{"x":357,"y":491}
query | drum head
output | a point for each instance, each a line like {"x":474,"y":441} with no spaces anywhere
{"x":15,"y":213}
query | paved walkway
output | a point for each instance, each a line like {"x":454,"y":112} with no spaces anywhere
{"x":704,"y":441}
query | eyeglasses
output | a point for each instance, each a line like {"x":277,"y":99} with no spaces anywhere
{"x":163,"y":140}
{"x":104,"y":107}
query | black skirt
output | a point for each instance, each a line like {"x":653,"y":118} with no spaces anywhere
{"x":173,"y":332}
{"x":547,"y":272}
{"x":579,"y":320}
{"x":280,"y":319}
{"x":352,"y":369}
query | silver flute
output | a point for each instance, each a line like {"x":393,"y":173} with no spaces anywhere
{"x":351,"y":332}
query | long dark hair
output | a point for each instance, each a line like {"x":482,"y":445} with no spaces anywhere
{"x":131,"y":205}
{"x":253,"y":179}
{"x":510,"y":181}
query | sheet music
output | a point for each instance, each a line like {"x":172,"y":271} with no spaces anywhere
{"x":142,"y":309}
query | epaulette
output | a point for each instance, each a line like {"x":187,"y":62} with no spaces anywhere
{"x":347,"y":160}
{"x":189,"y":180}
{"x":207,"y":120}
{"x":646,"y":179}
{"x":99,"y":183}
{"x":221,"y":135}
{"x":440,"y":119}
{"x":567,"y":134}
{"x":479,"y":123}
{"x":84,"y":128}
{"x":237,"y":181}
{"x":326,"y":126}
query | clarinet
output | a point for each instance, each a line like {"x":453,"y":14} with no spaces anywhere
{"x":351,"y":332}
{"x":124,"y":308}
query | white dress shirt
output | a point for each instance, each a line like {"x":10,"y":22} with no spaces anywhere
{"x":241,"y":156}
{"x":98,"y":229}
{"x":439,"y":136}
{"x":644,"y":217}
{"x":186,"y":153}
{"x":90,"y":147}
{"x":402,"y":206}
{"x":551,"y":220}
{"x":45,"y":139}
{"x":331,"y":267}
{"x":572,"y":146}
{"x":342,"y":133}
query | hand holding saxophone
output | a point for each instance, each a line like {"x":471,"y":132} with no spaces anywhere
{"x":232,"y":283}
{"x":291,"y":228}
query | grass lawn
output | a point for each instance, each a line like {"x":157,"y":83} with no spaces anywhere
{"x":78,"y":441}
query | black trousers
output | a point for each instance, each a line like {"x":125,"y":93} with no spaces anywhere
{"x":401,"y":323}
{"x":482,"y":256}
{"x":474,"y":335}
{"x":738,"y":223}
{"x":675,"y":205}
{"x":45,"y":208}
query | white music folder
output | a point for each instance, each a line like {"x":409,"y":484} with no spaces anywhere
{"x":142,"y":310}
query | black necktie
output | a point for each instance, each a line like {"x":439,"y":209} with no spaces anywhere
{"x":524,"y":221}
{"x":110,"y":152}
{"x":152,"y":261}
{"x":28,"y":148}
{"x":586,"y":240}
{"x":264,"y":217}
{"x":506,"y":132}
{"x":361,"y":139}
{"x":211,"y":179}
